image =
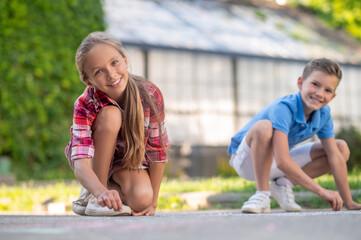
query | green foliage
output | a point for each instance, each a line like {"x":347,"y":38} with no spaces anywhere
{"x":216,"y":184}
{"x":28,"y":196}
{"x":171,"y":203}
{"x":345,"y":14}
{"x":223,"y":168}
{"x":261,"y":15}
{"x":353,"y":138}
{"x":39,"y":82}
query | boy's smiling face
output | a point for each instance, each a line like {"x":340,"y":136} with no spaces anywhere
{"x":317,"y":90}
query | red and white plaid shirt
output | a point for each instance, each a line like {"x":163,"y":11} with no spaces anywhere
{"x":86,"y":108}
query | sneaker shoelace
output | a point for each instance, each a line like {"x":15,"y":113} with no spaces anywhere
{"x":289,"y":193}
{"x":255,"y":199}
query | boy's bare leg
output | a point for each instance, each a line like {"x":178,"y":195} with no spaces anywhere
{"x":259,"y":139}
{"x":319,"y":165}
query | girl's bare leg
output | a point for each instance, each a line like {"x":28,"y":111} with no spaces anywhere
{"x":105,"y":132}
{"x":135,"y":188}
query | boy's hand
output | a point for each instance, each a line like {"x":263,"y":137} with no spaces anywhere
{"x":111,"y":199}
{"x":333,"y":198}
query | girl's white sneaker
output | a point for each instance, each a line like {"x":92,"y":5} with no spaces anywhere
{"x":94,"y":209}
{"x":80,"y":204}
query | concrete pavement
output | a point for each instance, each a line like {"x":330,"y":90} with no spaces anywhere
{"x":208,"y":225}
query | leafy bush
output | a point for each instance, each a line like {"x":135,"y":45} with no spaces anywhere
{"x":39,"y":82}
{"x":353,"y":138}
{"x":342,"y":14}
{"x":223,"y":168}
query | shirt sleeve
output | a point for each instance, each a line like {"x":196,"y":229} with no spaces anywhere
{"x":154,"y":150}
{"x":82,"y":145}
{"x":327,"y":130}
{"x":281,"y":117}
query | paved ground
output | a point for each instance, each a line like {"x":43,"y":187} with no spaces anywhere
{"x":208,"y":225}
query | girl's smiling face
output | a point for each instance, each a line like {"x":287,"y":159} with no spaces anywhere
{"x":106,"y":69}
{"x":317,"y":90}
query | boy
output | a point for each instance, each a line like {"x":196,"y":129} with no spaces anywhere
{"x":264,"y":149}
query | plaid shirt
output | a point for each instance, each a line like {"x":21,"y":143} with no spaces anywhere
{"x":86,"y":109}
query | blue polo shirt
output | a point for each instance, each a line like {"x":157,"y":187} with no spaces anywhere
{"x":287,"y":115}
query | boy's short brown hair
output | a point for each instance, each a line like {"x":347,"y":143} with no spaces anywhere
{"x":322,"y":64}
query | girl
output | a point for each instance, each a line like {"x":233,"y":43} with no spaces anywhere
{"x":119,"y":140}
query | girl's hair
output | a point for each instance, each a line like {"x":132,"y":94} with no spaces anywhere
{"x":133,"y":123}
{"x":322,"y":64}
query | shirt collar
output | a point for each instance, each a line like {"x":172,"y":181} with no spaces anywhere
{"x":101,"y":98}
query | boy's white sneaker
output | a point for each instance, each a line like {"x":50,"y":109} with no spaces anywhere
{"x":257,"y":203}
{"x":284,"y":197}
{"x":94,"y":209}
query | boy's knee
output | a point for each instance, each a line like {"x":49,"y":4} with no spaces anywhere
{"x":343,"y":147}
{"x":108,"y":119}
{"x":263,"y":129}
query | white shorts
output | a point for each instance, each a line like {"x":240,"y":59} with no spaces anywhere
{"x":241,"y":161}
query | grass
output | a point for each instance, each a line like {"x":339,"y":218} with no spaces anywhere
{"x":30,"y":195}
{"x":27,"y":196}
{"x":216,"y":184}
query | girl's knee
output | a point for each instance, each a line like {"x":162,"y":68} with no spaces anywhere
{"x":108,"y":119}
{"x":343,"y":147}
{"x":136,"y":188}
{"x":141,"y":198}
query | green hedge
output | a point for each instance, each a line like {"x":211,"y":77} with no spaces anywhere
{"x":339,"y":14}
{"x":39,"y":82}
{"x":353,"y":138}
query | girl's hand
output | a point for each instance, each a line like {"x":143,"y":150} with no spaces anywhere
{"x":149,"y":211}
{"x":111,"y":199}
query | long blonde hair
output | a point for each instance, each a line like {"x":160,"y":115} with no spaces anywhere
{"x":133,"y":122}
